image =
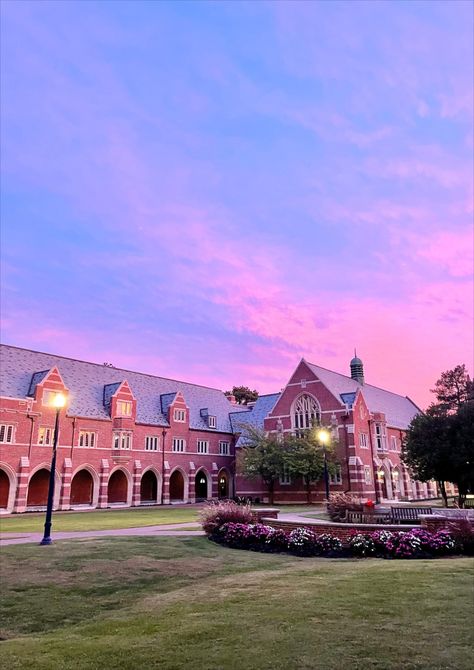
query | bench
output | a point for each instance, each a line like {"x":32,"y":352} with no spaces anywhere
{"x":469,"y":503}
{"x":363,"y":517}
{"x":408,"y":514}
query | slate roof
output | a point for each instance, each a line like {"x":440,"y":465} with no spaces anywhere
{"x":255,"y":415}
{"x":109,"y":391}
{"x":86,"y":382}
{"x":399,"y":410}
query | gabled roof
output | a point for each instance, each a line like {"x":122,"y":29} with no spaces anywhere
{"x":399,"y":410}
{"x":86,"y":382}
{"x":167,"y":399}
{"x":109,"y":391}
{"x":254,"y":416}
{"x":36,"y":379}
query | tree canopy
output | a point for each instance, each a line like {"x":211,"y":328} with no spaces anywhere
{"x":439,"y":444}
{"x":243,"y":394}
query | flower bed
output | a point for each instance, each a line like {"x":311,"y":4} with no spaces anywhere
{"x":415,"y":543}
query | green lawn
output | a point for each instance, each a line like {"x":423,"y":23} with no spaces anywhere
{"x":173,"y":603}
{"x":101,"y":519}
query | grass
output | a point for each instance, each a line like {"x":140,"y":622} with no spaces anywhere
{"x":109,"y":519}
{"x":101,"y":519}
{"x":173,"y":603}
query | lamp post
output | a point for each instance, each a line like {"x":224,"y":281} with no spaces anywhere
{"x":324,"y":437}
{"x":58,"y":402}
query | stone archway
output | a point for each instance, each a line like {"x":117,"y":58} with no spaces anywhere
{"x":177,"y":486}
{"x":201,"y":486}
{"x":38,"y":487}
{"x":117,"y":488}
{"x":149,"y":488}
{"x":4,"y":490}
{"x":223,"y":484}
{"x":82,"y":488}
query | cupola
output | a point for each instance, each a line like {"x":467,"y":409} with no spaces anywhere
{"x":357,"y":369}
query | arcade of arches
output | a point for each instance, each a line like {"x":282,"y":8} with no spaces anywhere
{"x":82,"y":487}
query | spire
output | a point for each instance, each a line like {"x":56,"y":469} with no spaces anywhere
{"x":357,"y":369}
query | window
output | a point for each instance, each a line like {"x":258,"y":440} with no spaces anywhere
{"x":367,"y":474}
{"x":363,"y":440}
{"x":6,"y":433}
{"x":179,"y":444}
{"x":86,"y":438}
{"x":122,"y":440}
{"x":380,"y":437}
{"x":179,"y":415}
{"x":394,"y":443}
{"x":124,"y":408}
{"x":202,"y":447}
{"x":306,"y":413}
{"x":48,"y":397}
{"x":336,"y":478}
{"x":211,"y":421}
{"x":285,"y":478}
{"x":45,"y":435}
{"x":151,"y":443}
{"x":224,"y":448}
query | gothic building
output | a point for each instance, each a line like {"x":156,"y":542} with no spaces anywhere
{"x":129,"y":439}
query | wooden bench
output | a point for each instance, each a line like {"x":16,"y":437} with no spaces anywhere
{"x":469,"y":503}
{"x":363,"y":517}
{"x":408,"y":514}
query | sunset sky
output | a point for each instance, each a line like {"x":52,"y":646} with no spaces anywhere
{"x":211,"y":190}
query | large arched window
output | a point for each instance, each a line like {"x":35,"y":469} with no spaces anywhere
{"x":306,"y":413}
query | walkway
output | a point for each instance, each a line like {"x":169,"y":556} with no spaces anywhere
{"x":154,"y":531}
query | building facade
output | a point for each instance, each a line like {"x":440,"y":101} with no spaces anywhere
{"x":129,"y":439}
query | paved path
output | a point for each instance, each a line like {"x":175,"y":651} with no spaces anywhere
{"x":156,"y":531}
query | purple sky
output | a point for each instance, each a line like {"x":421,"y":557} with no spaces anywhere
{"x":211,"y":190}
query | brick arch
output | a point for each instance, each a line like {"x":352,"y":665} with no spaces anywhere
{"x":77,"y":486}
{"x":38,"y":485}
{"x":224,"y":490}
{"x":179,"y":491}
{"x":198,"y":487}
{"x":144,"y":485}
{"x":119,"y":487}
{"x":8,"y":486}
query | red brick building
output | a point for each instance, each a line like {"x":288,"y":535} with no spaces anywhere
{"x":129,"y":439}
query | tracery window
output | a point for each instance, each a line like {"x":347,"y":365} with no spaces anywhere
{"x":306,"y":413}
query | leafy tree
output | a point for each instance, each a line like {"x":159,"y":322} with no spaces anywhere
{"x":304,"y":458}
{"x":462,"y":441}
{"x":453,"y":388}
{"x":243,"y":394}
{"x":261,"y":456}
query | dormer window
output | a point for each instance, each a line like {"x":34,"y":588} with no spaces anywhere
{"x":179,"y":415}
{"x":124,"y":408}
{"x":212,"y":421}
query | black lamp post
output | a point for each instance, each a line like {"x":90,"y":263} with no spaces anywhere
{"x":58,"y":402}
{"x":323,"y":437}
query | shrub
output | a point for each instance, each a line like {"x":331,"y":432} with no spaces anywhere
{"x":462,"y":530}
{"x":327,"y":545}
{"x":255,"y":537}
{"x":302,"y":541}
{"x":339,"y":503}
{"x":362,"y":545}
{"x":215,"y":515}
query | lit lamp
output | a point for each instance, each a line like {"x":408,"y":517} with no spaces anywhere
{"x":59,"y":401}
{"x":324,"y":436}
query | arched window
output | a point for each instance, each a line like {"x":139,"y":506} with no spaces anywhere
{"x":306,"y":413}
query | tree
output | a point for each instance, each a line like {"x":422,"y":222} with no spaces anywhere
{"x":243,"y":394}
{"x":304,"y":458}
{"x":440,"y":446}
{"x":453,"y":389}
{"x":261,"y":456}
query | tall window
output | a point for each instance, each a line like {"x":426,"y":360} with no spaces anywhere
{"x":86,"y":438}
{"x":393,"y":443}
{"x":202,"y":447}
{"x":122,"y":440}
{"x":336,"y":478}
{"x":6,"y":433}
{"x":179,"y":415}
{"x":367,"y":474}
{"x":363,"y":440}
{"x":45,"y":435}
{"x":224,"y":448}
{"x":306,"y":413}
{"x":380,"y":437}
{"x":151,"y":443}
{"x":124,"y":408}
{"x":285,"y":478}
{"x":179,"y":444}
{"x":211,"y":421}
